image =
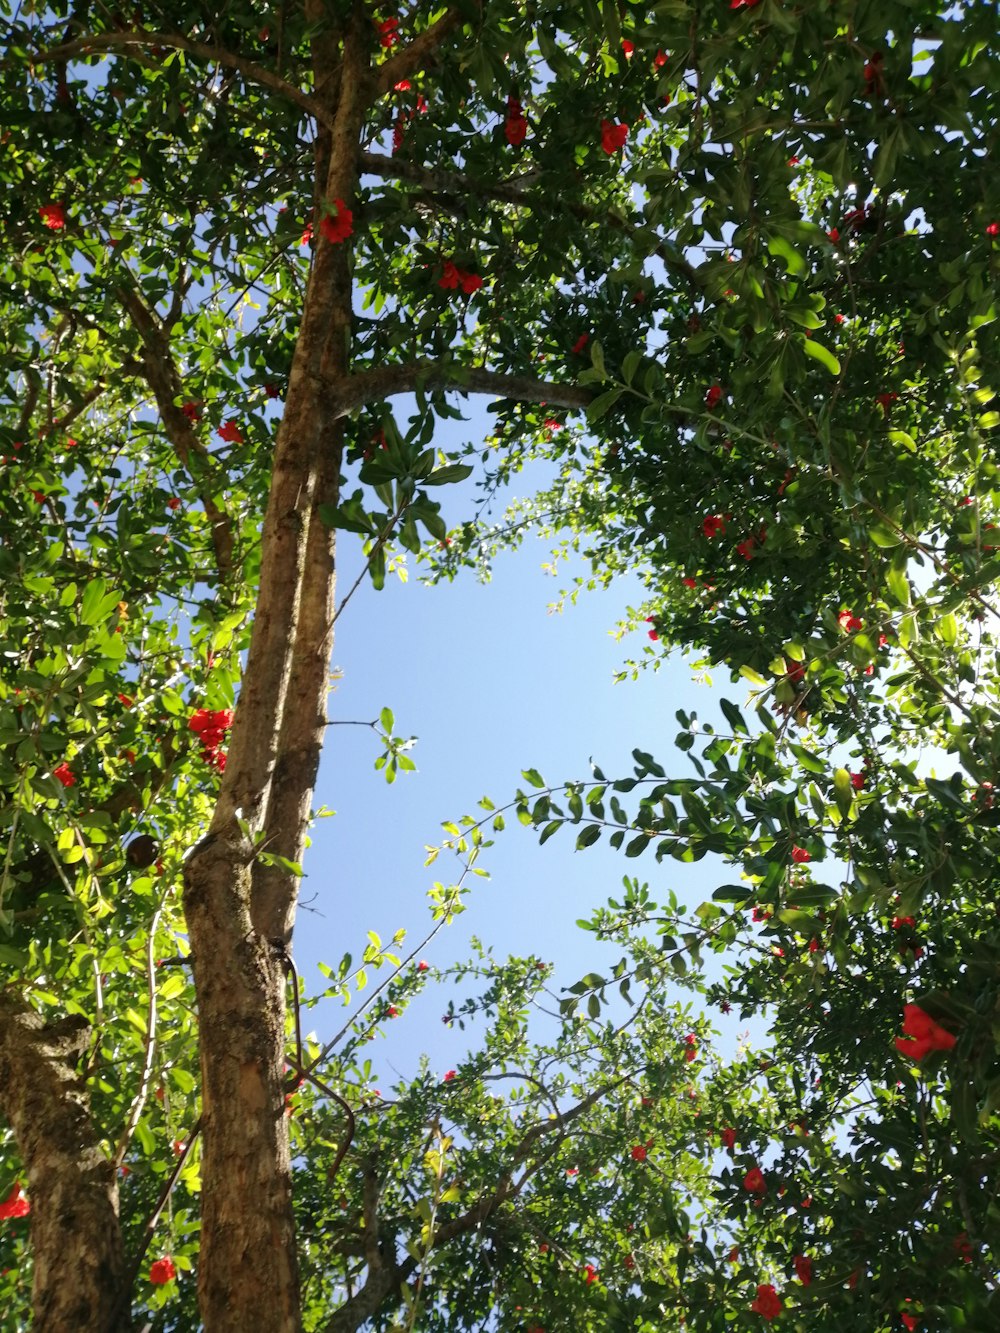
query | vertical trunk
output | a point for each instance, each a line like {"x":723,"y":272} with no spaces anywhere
{"x":79,"y":1263}
{"x":238,"y":915}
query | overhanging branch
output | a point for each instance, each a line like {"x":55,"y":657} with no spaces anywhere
{"x":139,"y":38}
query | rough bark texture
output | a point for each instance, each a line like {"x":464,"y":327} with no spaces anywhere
{"x":248,"y":1278}
{"x":79,"y":1262}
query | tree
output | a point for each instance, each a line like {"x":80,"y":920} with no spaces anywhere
{"x":714,"y":226}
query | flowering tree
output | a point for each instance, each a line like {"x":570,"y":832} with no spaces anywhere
{"x":755,"y":245}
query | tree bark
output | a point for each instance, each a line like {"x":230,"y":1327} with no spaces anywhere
{"x":79,"y":1262}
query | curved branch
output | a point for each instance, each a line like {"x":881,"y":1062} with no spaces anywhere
{"x":121,"y":41}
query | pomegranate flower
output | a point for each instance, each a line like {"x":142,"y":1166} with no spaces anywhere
{"x":921,"y":1034}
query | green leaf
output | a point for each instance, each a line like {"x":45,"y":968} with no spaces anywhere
{"x":444,"y":476}
{"x":821,"y":354}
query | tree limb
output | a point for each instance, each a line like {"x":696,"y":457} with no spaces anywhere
{"x":372,"y":386}
{"x":417,"y":55}
{"x":115,"y":41}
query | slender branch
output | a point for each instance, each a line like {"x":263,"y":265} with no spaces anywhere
{"x":160,"y":372}
{"x":514,"y":191}
{"x":419,"y":53}
{"x":122,"y":41}
{"x":149,"y":1055}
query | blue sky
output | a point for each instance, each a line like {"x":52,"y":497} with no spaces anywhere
{"x":491,"y":683}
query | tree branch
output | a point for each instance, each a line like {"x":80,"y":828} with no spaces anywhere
{"x":387,"y":381}
{"x":121,"y":41}
{"x":513,"y":191}
{"x":161,"y":374}
{"x":418,"y":54}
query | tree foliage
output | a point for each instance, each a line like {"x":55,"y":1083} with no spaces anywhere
{"x":731,"y":271}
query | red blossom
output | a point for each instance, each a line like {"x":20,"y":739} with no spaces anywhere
{"x":849,"y":622}
{"x":173,"y":503}
{"x":580,"y":344}
{"x":449,"y":1077}
{"x":231,"y":433}
{"x":993,"y":229}
{"x":713,"y":397}
{"x":388,"y":36}
{"x":639,"y":1153}
{"x":628,"y":48}
{"x":712,"y":524}
{"x":307,"y":235}
{"x":516,"y":127}
{"x":190,"y":410}
{"x":857,"y":781}
{"x":125,"y":701}
{"x":727,"y":1137}
{"x":403,"y":86}
{"x":754,"y":1182}
{"x":803,"y":1268}
{"x":767,"y":1302}
{"x":65,"y":775}
{"x":652,"y":633}
{"x":910,"y":1320}
{"x":922,"y":1034}
{"x":660,"y":59}
{"x":422,"y":966}
{"x":15,"y":1204}
{"x":337,"y":225}
{"x":590,"y":1274}
{"x":613,"y":136}
{"x":162,"y":1271}
{"x":800,"y":856}
{"x":53,"y":216}
{"x":885,"y":401}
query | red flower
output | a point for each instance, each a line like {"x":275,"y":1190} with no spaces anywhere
{"x":922,"y":1034}
{"x":162,"y":1271}
{"x":712,"y":524}
{"x":660,"y":59}
{"x":628,"y":1262}
{"x":337,"y":226}
{"x":173,"y":503}
{"x":307,"y":234}
{"x":652,"y":633}
{"x":590,"y":1274}
{"x":53,"y":216}
{"x":125,"y":701}
{"x":768,"y":1302}
{"x":388,"y":36}
{"x":910,"y":1320}
{"x":727,"y":1137}
{"x":849,"y":622}
{"x":471,"y":282}
{"x":713,"y":397}
{"x":885,"y":401}
{"x":754,"y":1182}
{"x":745,"y":547}
{"x":231,"y":433}
{"x":516,"y":127}
{"x":452,"y":277}
{"x":391,"y":1011}
{"x":580,"y":344}
{"x":15,"y":1204}
{"x":403,"y":86}
{"x":422,"y":966}
{"x":639,"y":1153}
{"x":64,"y":774}
{"x":898,"y":922}
{"x":857,"y":781}
{"x":833,"y":235}
{"x":803,"y":1268}
{"x":814,"y":946}
{"x":691,"y":1042}
{"x":993,"y":229}
{"x":627,"y":48}
{"x":800,"y":856}
{"x":190,"y":410}
{"x":449,"y":1077}
{"x":613,"y":136}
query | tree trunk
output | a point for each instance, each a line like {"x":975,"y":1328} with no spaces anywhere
{"x":79,"y":1263}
